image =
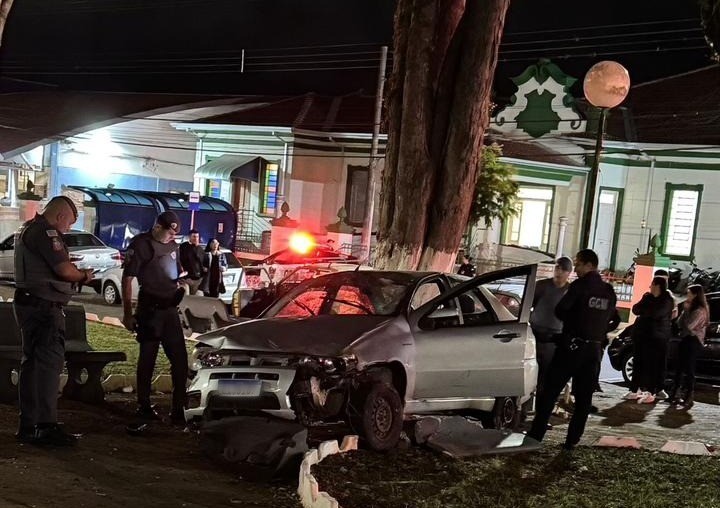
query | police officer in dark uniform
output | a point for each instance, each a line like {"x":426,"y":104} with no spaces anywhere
{"x":152,"y":257}
{"x":585,"y":311}
{"x":44,"y":277}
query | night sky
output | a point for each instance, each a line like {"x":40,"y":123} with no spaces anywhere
{"x":325,"y":46}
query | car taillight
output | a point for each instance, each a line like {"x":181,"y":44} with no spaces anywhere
{"x":76,"y":257}
{"x":117,"y":256}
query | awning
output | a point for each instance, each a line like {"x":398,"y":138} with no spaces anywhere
{"x":236,"y":167}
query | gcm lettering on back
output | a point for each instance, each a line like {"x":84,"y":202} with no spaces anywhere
{"x":598,"y":303}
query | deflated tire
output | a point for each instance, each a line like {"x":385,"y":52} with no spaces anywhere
{"x":379,"y":416}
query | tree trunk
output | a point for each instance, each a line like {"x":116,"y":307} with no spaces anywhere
{"x":5,"y":6}
{"x":438,"y":109}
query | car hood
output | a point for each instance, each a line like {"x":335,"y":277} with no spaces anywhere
{"x":321,"y":335}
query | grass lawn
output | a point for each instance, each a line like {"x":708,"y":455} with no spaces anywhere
{"x":112,"y":338}
{"x":589,"y":477}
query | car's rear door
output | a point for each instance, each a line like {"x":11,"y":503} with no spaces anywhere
{"x":468,"y":345}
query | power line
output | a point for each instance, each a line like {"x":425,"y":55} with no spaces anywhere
{"x":604,"y":27}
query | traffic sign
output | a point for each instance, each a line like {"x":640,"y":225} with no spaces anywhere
{"x":194,"y":201}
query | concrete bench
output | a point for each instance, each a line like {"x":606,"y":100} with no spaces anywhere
{"x":84,"y":365}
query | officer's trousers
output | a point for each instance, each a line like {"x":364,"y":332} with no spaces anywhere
{"x":42,"y":329}
{"x":583,"y":366}
{"x":155,"y":327}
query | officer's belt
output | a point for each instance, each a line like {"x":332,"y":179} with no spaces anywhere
{"x":22,"y":297}
{"x":157,"y":302}
{"x":585,"y":341}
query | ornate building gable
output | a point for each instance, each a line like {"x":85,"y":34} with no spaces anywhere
{"x":542,"y":104}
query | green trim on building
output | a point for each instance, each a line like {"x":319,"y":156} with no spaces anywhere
{"x":661,"y":164}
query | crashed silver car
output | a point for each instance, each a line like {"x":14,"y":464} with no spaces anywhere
{"x":370,"y":348}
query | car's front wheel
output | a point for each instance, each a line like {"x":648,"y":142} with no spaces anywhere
{"x":111,"y":295}
{"x":627,"y":367}
{"x":505,"y":414}
{"x":379,"y":416}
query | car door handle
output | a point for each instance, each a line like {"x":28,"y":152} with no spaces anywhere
{"x":506,"y":335}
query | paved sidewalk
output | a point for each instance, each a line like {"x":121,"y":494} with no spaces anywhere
{"x":651,"y":424}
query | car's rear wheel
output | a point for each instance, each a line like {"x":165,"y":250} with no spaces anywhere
{"x":379,"y":415}
{"x":504,"y":415}
{"x":627,"y":367}
{"x":111,"y":295}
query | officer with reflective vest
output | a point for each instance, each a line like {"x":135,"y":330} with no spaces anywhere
{"x":585,"y":310}
{"x":45,"y":280}
{"x":152,"y":258}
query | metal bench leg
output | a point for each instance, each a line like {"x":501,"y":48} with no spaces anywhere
{"x":89,"y":391}
{"x":8,"y":382}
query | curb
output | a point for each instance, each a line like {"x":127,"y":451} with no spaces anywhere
{"x":308,"y":488}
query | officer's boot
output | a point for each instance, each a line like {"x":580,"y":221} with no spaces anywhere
{"x":689,"y":399}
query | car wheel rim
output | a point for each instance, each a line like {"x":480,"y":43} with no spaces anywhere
{"x":629,"y":368}
{"x":382,"y":417}
{"x":110,"y":293}
{"x":508,"y":412}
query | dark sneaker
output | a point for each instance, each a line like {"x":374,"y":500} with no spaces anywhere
{"x":147,"y":413}
{"x":53,"y":435}
{"x":25,"y":434}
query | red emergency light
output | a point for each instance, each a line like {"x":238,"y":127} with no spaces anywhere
{"x":301,"y":242}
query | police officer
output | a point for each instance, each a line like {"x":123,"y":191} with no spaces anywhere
{"x":585,"y":311}
{"x":44,"y":278}
{"x":152,"y":257}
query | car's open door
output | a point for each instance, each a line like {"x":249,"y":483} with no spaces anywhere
{"x":468,"y":344}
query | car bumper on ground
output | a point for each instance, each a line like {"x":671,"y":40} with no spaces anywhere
{"x":222,"y":391}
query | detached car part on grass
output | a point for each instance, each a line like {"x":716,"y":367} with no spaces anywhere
{"x":370,"y":348}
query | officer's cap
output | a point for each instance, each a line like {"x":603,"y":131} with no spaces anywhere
{"x":169,"y":220}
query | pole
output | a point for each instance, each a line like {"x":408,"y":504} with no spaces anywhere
{"x":192,"y":219}
{"x":366,"y":237}
{"x":562,"y":227}
{"x":592,"y":183}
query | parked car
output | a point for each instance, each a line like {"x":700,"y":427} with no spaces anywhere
{"x":86,"y":251}
{"x":111,"y":280}
{"x":621,"y":350}
{"x":370,"y":347}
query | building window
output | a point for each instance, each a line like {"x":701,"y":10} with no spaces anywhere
{"x":680,"y":219}
{"x":531,"y":226}
{"x":355,"y":194}
{"x":269,"y":188}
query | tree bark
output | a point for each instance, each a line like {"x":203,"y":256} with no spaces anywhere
{"x":5,"y":6}
{"x":438,"y":109}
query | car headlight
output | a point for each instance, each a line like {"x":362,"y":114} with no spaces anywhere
{"x":329,"y":364}
{"x":203,"y":358}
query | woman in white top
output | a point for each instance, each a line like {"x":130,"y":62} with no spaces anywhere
{"x":693,"y":321}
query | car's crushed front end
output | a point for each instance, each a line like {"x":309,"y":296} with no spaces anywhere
{"x":229,"y":382}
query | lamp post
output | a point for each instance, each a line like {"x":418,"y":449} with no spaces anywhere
{"x":605,"y":86}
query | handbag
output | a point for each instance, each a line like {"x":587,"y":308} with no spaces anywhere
{"x":221,"y":287}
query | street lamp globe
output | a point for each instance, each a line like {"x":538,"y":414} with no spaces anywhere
{"x":606,"y":84}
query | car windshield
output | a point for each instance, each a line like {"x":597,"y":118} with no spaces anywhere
{"x":82,"y":240}
{"x":348,"y":293}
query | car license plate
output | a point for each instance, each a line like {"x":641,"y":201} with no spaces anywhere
{"x":240,"y":387}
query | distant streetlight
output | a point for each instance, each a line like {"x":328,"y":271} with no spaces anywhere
{"x":606,"y":85}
